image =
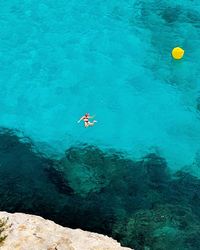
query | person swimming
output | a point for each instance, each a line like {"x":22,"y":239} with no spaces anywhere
{"x":86,"y":118}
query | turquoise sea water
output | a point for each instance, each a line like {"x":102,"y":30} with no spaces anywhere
{"x":60,"y":59}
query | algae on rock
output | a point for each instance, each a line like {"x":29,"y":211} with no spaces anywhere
{"x":3,"y":226}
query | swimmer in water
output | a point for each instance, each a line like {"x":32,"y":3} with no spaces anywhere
{"x":86,"y":118}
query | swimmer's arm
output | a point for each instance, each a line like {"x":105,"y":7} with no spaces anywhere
{"x":81,"y":119}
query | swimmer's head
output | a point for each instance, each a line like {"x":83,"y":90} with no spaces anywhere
{"x":87,"y":114}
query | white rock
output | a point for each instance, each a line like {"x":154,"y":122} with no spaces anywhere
{"x":30,"y":232}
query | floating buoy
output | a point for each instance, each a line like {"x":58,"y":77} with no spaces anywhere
{"x":177,"y":53}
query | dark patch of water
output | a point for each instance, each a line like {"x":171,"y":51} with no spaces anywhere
{"x":137,"y":202}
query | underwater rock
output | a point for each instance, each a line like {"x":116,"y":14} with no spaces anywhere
{"x":166,"y":227}
{"x":86,"y":169}
{"x":193,"y":18}
{"x":198,"y":104}
{"x":171,"y":14}
{"x":156,"y":168}
{"x":103,"y":192}
{"x":57,"y":178}
{"x":185,"y":188}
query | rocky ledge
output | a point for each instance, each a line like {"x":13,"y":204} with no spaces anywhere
{"x":23,"y":231}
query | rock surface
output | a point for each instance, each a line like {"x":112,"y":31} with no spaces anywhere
{"x":35,"y":233}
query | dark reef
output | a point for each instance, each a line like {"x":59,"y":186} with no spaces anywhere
{"x":138,"y":203}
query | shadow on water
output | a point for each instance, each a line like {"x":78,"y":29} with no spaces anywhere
{"x":138,"y":203}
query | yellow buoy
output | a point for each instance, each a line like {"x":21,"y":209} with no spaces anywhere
{"x":177,"y":53}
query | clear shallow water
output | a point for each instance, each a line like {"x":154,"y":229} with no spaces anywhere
{"x":109,"y":58}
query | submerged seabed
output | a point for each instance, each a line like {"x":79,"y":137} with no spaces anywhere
{"x":139,"y":203}
{"x":60,"y":59}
